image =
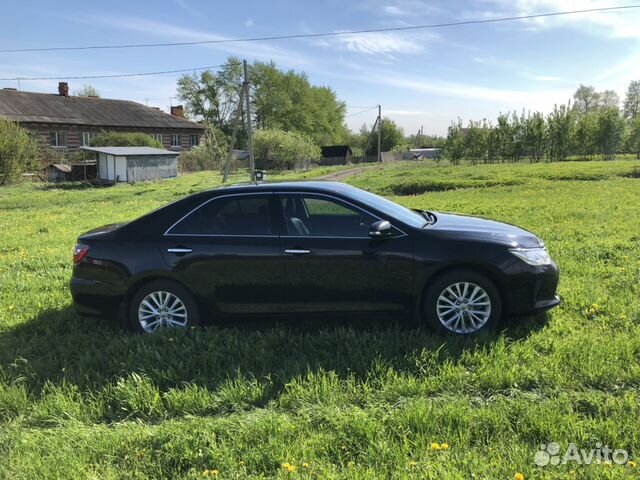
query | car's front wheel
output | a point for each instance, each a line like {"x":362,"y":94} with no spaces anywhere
{"x":162,"y":304}
{"x":462,"y":302}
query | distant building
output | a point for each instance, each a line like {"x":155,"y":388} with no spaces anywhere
{"x":336,"y":155}
{"x":419,"y":153}
{"x":134,"y":164}
{"x":65,"y":123}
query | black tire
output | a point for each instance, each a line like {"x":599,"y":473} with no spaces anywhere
{"x":191,"y":313}
{"x":457,"y":277}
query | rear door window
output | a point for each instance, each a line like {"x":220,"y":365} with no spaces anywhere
{"x":232,"y":215}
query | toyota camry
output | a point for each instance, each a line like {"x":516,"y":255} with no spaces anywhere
{"x":309,"y":247}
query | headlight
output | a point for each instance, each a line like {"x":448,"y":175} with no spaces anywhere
{"x":532,"y":256}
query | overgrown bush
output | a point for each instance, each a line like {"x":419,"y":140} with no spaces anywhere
{"x":278,"y":150}
{"x":210,"y":155}
{"x":19,"y":151}
{"x":122,"y":139}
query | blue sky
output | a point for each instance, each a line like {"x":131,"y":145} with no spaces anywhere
{"x":426,"y":77}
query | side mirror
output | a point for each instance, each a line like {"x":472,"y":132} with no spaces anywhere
{"x":380,"y":229}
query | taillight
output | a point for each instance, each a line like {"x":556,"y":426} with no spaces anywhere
{"x":80,"y":252}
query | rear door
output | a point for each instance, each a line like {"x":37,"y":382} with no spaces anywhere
{"x":227,"y":251}
{"x":332,"y":264}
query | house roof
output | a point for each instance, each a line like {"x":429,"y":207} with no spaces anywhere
{"x":61,"y":167}
{"x":336,"y":150}
{"x":99,"y":112}
{"x":131,"y":151}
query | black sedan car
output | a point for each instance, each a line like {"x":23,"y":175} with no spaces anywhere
{"x":302,"y":247}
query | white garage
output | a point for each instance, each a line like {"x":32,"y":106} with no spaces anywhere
{"x":134,"y":164}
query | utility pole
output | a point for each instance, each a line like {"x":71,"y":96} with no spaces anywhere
{"x":252,"y":165}
{"x":232,"y":144}
{"x":373,"y":129}
{"x":379,"y":132}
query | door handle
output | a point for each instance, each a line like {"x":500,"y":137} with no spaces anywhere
{"x":296,"y":251}
{"x":179,"y":250}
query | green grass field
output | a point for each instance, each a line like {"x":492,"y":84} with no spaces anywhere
{"x":310,"y":399}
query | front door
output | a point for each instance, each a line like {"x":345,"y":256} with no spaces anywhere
{"x":332,"y":264}
{"x":227,"y":251}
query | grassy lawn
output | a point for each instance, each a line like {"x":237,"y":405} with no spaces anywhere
{"x":79,"y":398}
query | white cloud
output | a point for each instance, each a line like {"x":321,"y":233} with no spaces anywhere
{"x":381,"y":43}
{"x":613,"y":24}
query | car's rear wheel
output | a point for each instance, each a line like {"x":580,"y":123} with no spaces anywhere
{"x":462,"y":302}
{"x":162,"y":304}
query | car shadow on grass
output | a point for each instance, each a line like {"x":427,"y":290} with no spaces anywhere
{"x":90,"y":355}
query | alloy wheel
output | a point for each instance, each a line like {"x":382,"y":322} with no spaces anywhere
{"x":463,"y":307}
{"x":162,"y":309}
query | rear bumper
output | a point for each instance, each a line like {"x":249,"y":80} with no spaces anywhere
{"x":93,"y":297}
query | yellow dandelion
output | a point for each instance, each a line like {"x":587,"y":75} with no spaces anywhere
{"x":350,"y":464}
{"x":632,"y":464}
{"x":435,"y":446}
{"x":518,"y":476}
{"x":241,"y":462}
{"x":205,"y":473}
{"x":215,"y":472}
{"x":286,"y":465}
{"x":444,"y":446}
{"x":291,"y":469}
{"x":305,"y":465}
{"x":413,"y":463}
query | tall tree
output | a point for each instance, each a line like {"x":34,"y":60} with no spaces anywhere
{"x":633,"y":140}
{"x":586,"y":99}
{"x":212,"y":97}
{"x":391,"y":137}
{"x":454,"y":145}
{"x":608,"y":99}
{"x":288,"y":101}
{"x":610,"y":131}
{"x":632,"y":100}
{"x":560,"y":125}
{"x":87,"y":91}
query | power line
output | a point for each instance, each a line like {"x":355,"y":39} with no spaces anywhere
{"x":363,"y":111}
{"x":323,"y":34}
{"x":352,"y":106}
{"x":115,"y":75}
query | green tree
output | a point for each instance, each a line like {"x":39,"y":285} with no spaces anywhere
{"x":585,"y":136}
{"x":454,"y":146}
{"x":212,"y":97}
{"x":632,"y":100}
{"x":19,"y":151}
{"x":610,"y":132}
{"x":560,"y":125}
{"x":475,"y":142}
{"x":534,"y":140}
{"x":585,"y":99}
{"x":121,"y":139}
{"x":87,"y":91}
{"x":281,"y":150}
{"x":633,"y":140}
{"x":287,"y":101}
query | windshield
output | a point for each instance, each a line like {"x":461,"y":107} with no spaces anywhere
{"x":388,"y":207}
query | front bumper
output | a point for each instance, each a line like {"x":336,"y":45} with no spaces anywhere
{"x":531,"y":289}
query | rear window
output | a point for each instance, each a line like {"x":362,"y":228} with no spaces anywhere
{"x":233,"y":215}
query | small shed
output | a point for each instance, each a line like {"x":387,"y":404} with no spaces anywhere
{"x":134,"y":164}
{"x":58,"y":172}
{"x":336,"y":155}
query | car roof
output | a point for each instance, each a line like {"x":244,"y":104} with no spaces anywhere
{"x":310,"y":185}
